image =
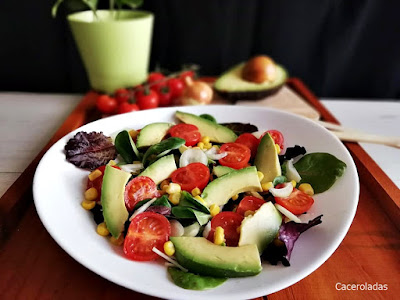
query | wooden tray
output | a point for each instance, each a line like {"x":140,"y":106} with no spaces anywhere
{"x":34,"y":266}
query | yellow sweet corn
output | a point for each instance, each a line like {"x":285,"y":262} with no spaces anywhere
{"x":260,"y":175}
{"x":214,"y":210}
{"x":173,"y":188}
{"x":266,"y":186}
{"x":164,"y":183}
{"x":293,"y":182}
{"x":112,"y":163}
{"x":196,"y":192}
{"x":205,"y":139}
{"x":117,"y":242}
{"x":207,"y":146}
{"x":102,"y":229}
{"x":235,"y":197}
{"x":201,"y":200}
{"x":219,"y":236}
{"x":95,"y":174}
{"x":133,"y":133}
{"x":88,"y":205}
{"x":200,"y":145}
{"x":278,"y":149}
{"x":175,"y":198}
{"x":306,"y":188}
{"x":91,"y":194}
{"x":169,"y":248}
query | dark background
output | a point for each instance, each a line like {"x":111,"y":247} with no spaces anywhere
{"x":339,"y":48}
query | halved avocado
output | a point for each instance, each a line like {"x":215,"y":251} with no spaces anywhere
{"x":232,"y":86}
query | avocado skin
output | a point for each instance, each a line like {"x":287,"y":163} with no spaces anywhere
{"x":253,"y":95}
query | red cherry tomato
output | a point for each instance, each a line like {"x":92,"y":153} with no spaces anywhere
{"x":127,"y":107}
{"x":98,"y":182}
{"x":192,"y":176}
{"x":250,"y":141}
{"x":176,"y":86}
{"x":238,"y":155}
{"x":138,"y":189}
{"x":122,"y":95}
{"x":146,"y":98}
{"x":277,"y":136}
{"x":229,"y":221}
{"x":106,"y":104}
{"x":156,"y":80}
{"x":190,"y":133}
{"x":249,"y":203}
{"x":298,"y":202}
{"x":147,"y":230}
{"x":164,"y":95}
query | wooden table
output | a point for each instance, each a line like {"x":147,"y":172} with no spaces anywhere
{"x":33,"y":266}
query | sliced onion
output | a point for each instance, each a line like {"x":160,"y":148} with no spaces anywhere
{"x":192,"y":156}
{"x":132,"y":167}
{"x":283,"y":192}
{"x":213,"y":154}
{"x":192,"y":230}
{"x":291,"y":172}
{"x":176,"y":228}
{"x":207,"y":230}
{"x":142,"y":208}
{"x":291,"y":216}
{"x":169,"y":259}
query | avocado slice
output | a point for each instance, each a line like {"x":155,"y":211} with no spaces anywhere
{"x":192,"y":281}
{"x":112,"y":199}
{"x":216,"y":133}
{"x":260,"y":228}
{"x":152,"y":134}
{"x":203,"y":257}
{"x":220,"y":190}
{"x":267,"y":160}
{"x":232,"y":86}
{"x":161,"y":169}
{"x":222,"y":170}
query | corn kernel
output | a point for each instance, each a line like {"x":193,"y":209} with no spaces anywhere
{"x":278,"y":149}
{"x":235,"y":197}
{"x":183,"y":148}
{"x":102,"y":229}
{"x":306,"y":188}
{"x":260,"y":175}
{"x":293,"y":182}
{"x":88,"y":205}
{"x":196,"y":192}
{"x":112,"y":163}
{"x":214,"y":210}
{"x":201,"y":200}
{"x":175,"y":198}
{"x":173,"y":188}
{"x":133,"y":133}
{"x":117,"y":241}
{"x":207,"y":146}
{"x":196,"y":147}
{"x":164,"y":183}
{"x":95,"y":174}
{"x":91,"y":194}
{"x":169,"y":248}
{"x":219,"y":236}
{"x":205,"y":139}
{"x":266,"y":186}
{"x":200,"y":145}
{"x":249,"y":213}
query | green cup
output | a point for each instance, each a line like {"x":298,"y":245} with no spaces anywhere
{"x":114,"y":47}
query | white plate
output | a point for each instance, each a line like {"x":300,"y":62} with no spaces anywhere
{"x":58,"y":189}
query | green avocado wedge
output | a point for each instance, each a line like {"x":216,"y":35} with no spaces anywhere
{"x":216,"y":133}
{"x":152,"y":134}
{"x":203,"y":257}
{"x":267,"y":160}
{"x":192,"y":281}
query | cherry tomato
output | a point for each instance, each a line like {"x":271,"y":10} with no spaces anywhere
{"x":138,"y":189}
{"x":192,"y":176}
{"x":106,"y":104}
{"x":298,"y":202}
{"x":250,"y":141}
{"x":238,"y":155}
{"x":147,"y":230}
{"x":146,"y":98}
{"x":176,"y":86}
{"x":249,"y":203}
{"x":185,"y":74}
{"x":164,"y":95}
{"x":122,"y":95}
{"x":190,"y":133}
{"x":230,"y":222}
{"x":127,"y":107}
{"x":277,"y":136}
{"x":98,"y":182}
{"x":156,"y":80}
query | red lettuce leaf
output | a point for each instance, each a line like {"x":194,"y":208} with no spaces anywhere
{"x":281,"y":249}
{"x":90,"y":150}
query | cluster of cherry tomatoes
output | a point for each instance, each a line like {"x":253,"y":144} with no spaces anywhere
{"x":158,"y":91}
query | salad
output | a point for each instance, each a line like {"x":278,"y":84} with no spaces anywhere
{"x":213,"y":200}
